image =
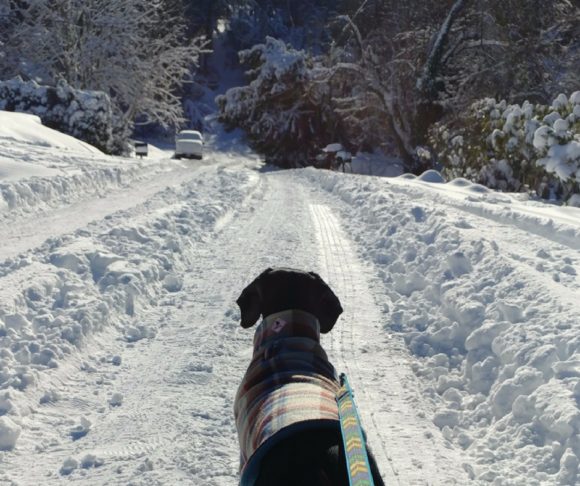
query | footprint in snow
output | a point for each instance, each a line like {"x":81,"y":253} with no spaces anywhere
{"x":510,"y":312}
{"x":462,"y":224}
{"x":195,"y":373}
{"x":80,"y":430}
{"x":459,"y":264}
{"x":116,"y":400}
{"x":419,"y":214}
{"x":543,"y":254}
{"x":568,"y":269}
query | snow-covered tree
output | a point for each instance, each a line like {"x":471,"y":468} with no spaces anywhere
{"x":203,"y":15}
{"x":300,"y":23}
{"x":283,"y":110}
{"x":539,"y":53}
{"x":133,"y":51}
{"x":374,"y":89}
{"x":402,"y":66}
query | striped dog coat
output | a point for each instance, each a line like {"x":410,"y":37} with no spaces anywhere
{"x":289,"y":386}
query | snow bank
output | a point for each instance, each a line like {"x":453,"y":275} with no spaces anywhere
{"x":499,"y":352}
{"x":41,"y":167}
{"x":86,"y":115}
{"x":24,"y":195}
{"x":53,"y":300}
{"x":557,"y":223}
{"x":27,"y":128}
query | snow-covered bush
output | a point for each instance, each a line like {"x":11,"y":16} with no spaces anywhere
{"x":515,"y":148}
{"x":86,"y":115}
{"x":557,"y":141}
{"x":286,"y":115}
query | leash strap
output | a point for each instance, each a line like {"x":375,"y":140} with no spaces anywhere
{"x":357,"y":460}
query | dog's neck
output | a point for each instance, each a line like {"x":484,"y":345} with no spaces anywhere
{"x":286,"y":324}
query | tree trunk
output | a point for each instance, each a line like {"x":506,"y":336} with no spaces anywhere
{"x":428,"y":110}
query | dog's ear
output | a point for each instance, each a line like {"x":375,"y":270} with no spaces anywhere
{"x":329,"y":310}
{"x":329,"y":307}
{"x":250,"y":302}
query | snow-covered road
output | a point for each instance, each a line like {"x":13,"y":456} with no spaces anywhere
{"x":121,"y":352}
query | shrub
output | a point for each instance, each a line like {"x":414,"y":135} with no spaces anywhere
{"x":86,"y":115}
{"x":513,"y":147}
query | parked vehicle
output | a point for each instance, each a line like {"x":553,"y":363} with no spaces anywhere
{"x":189,"y":144}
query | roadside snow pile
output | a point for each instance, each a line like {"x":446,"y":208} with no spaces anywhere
{"x":86,"y":115}
{"x":37,"y":193}
{"x":496,"y":340}
{"x":376,"y":164}
{"x":34,"y":175}
{"x":75,"y":286}
{"x":557,"y":223}
{"x":26,"y":128}
{"x":431,"y":176}
{"x":53,"y":190}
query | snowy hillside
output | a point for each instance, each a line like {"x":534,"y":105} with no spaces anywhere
{"x":120,"y":344}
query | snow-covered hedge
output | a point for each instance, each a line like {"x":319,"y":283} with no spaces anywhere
{"x":516,"y":148}
{"x":86,"y":115}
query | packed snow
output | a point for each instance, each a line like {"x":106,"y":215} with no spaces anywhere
{"x":120,"y":344}
{"x":87,"y":115}
{"x":28,"y":129}
{"x":490,"y":311}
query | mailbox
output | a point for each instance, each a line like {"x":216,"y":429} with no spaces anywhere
{"x":141,"y":149}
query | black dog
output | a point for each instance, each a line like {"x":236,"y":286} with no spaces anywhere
{"x":296,"y":307}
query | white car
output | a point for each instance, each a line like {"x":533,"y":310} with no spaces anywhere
{"x":189,"y":143}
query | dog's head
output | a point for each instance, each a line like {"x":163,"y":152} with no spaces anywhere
{"x":280,"y":289}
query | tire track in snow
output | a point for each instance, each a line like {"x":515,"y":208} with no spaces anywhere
{"x":176,"y":425}
{"x":408,"y":447}
{"x":85,"y":382}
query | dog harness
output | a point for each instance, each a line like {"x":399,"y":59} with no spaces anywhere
{"x":289,"y":386}
{"x":357,"y":460}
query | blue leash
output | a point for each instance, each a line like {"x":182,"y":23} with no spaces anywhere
{"x":355,"y":449}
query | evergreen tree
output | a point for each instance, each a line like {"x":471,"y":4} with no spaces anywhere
{"x":284,"y":110}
